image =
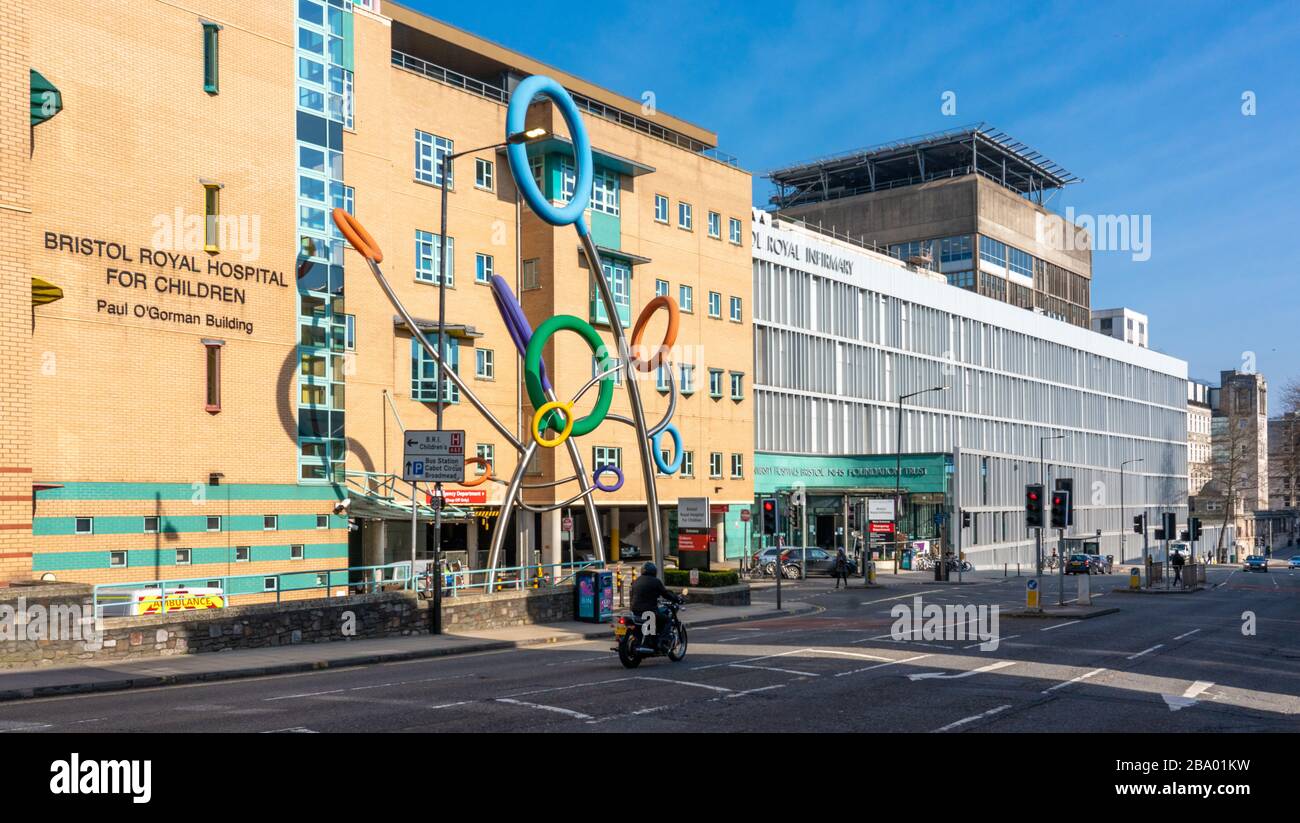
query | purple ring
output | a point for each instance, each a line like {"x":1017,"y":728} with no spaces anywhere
{"x":595,"y":478}
{"x":516,"y":322}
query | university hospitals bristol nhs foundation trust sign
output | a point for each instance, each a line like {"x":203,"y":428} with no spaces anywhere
{"x":776,"y":472}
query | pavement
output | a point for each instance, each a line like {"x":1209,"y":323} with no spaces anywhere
{"x":18,"y":684}
{"x":1223,"y":659}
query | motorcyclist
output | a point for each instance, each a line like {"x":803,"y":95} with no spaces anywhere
{"x":646,"y":593}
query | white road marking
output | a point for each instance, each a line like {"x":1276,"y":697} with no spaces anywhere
{"x":753,"y":691}
{"x":1187,"y":698}
{"x":996,"y":639}
{"x":992,"y":667}
{"x":887,"y":599}
{"x":1146,"y":651}
{"x":882,"y":665}
{"x":972,"y":718}
{"x":1078,"y":679}
{"x":543,"y":707}
{"x":449,"y":705}
{"x":685,"y":683}
{"x":774,"y":669}
{"x":292,"y":730}
{"x":1187,"y":634}
{"x":1059,"y":625}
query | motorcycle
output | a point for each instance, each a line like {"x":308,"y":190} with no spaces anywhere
{"x":629,"y":634}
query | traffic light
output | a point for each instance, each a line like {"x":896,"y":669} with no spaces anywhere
{"x":769,"y":515}
{"x":1169,"y":521}
{"x":1034,"y":506}
{"x":1060,"y":509}
{"x":1194,"y":528}
{"x":1140,"y":524}
{"x":1066,"y":484}
{"x":965,"y":519}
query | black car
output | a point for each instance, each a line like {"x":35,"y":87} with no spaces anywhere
{"x":820,"y":561}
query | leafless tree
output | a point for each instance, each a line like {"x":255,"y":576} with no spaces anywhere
{"x":1231,"y":453}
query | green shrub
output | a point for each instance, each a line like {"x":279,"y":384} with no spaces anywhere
{"x":708,"y":579}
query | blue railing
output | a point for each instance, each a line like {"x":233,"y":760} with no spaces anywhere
{"x":503,"y":578}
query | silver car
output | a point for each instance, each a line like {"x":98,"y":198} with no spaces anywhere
{"x":1100,"y":565}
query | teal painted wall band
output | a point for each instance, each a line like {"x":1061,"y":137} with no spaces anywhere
{"x":188,"y":491}
{"x":188,"y":524}
{"x":166,"y":556}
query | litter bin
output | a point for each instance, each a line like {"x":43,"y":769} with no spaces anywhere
{"x":941,"y":569}
{"x":593,"y":596}
{"x":906,"y":562}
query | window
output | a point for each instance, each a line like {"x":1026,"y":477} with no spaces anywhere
{"x":270,"y":522}
{"x":484,"y":268}
{"x":428,"y":253}
{"x":214,"y":524}
{"x":715,"y":464}
{"x":954,"y":249}
{"x":737,"y":385}
{"x":1022,"y":263}
{"x":661,"y":378}
{"x":243,"y":553}
{"x":430,"y":153}
{"x":619,"y":276}
{"x":686,"y":298}
{"x":151,"y":525}
{"x":182,"y":557}
{"x":607,"y":456}
{"x":488,"y":452}
{"x":688,"y":379}
{"x":599,"y":366}
{"x":322,"y":521}
{"x":961,"y":279}
{"x":270,"y":584}
{"x":424,"y":372}
{"x":483,"y":173}
{"x":684,"y":219}
{"x":688,"y":464}
{"x":604,"y":192}
{"x":715,"y":382}
{"x":661,"y":288}
{"x":484,"y":367}
{"x":297,"y":552}
{"x":735,"y":309}
{"x":211,"y":217}
{"x":991,"y":251}
{"x":530,"y":278}
{"x":84,"y":525}
{"x":117,"y":560}
{"x":715,"y":225}
{"x":661,"y":209}
{"x":737,"y":466}
{"x":733,"y":230}
{"x":715,"y":304}
{"x":210,"y":61}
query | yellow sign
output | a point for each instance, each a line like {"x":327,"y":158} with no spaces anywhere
{"x":1031,"y":593}
{"x":152,"y":604}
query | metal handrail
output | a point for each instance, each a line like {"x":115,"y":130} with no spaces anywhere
{"x":442,"y":74}
{"x":323,"y":579}
{"x":513,"y":577}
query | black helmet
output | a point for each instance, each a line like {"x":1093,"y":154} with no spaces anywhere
{"x":650,"y":569}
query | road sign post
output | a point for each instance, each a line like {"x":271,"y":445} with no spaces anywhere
{"x":1031,"y":593}
{"x":431,"y":456}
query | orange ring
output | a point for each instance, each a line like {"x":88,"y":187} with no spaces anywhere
{"x":487,"y":471}
{"x":670,"y":336}
{"x":357,"y":235}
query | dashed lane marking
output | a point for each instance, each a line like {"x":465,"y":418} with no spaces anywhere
{"x":972,"y":718}
{"x":1187,"y":634}
{"x":1078,"y":679}
{"x":1059,"y":625}
{"x":576,"y":715}
{"x":1146,"y":651}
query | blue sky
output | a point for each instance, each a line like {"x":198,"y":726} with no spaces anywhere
{"x":1143,"y":101}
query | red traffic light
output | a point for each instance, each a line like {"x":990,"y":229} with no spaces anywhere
{"x":1033,"y":495}
{"x":768,"y":505}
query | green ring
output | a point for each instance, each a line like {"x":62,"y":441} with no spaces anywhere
{"x":533,"y":377}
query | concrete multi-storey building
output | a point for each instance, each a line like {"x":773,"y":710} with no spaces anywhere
{"x":1239,"y":454}
{"x":842,"y":333}
{"x":1282,"y":520}
{"x":223,"y":371}
{"x":1122,"y":324}
{"x":1199,"y":454}
{"x":968,"y":203}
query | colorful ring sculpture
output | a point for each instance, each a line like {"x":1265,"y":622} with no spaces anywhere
{"x":533,"y":377}
{"x":481,"y":479}
{"x":678,"y":454}
{"x":543,"y":411}
{"x":618,"y":473}
{"x":670,"y":336}
{"x":516,"y":122}
{"x":356,"y":234}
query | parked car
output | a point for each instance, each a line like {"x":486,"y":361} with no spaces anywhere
{"x":1078,"y":564}
{"x":1255,"y":563}
{"x":1295,"y":562}
{"x":820,"y":561}
{"x":1100,"y":564}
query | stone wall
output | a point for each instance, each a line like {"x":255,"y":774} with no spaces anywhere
{"x":496,"y":611}
{"x":737,"y":595}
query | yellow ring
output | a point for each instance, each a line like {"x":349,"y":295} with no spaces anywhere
{"x":564,"y":433}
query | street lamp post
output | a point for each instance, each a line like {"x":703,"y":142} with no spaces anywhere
{"x":1123,"y":515}
{"x":898,"y":472}
{"x":529,"y":136}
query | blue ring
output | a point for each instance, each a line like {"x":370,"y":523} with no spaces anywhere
{"x":670,"y":468}
{"x":516,"y":118}
{"x":595,"y":478}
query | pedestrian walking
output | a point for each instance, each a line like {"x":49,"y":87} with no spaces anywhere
{"x":1177,"y":562}
{"x":841,"y":568}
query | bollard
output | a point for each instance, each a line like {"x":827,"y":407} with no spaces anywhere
{"x":871,"y":572}
{"x":1004,"y":569}
{"x":1134,"y":579}
{"x":1085,"y":590}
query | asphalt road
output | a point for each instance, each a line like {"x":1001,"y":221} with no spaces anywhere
{"x":1162,"y":663}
